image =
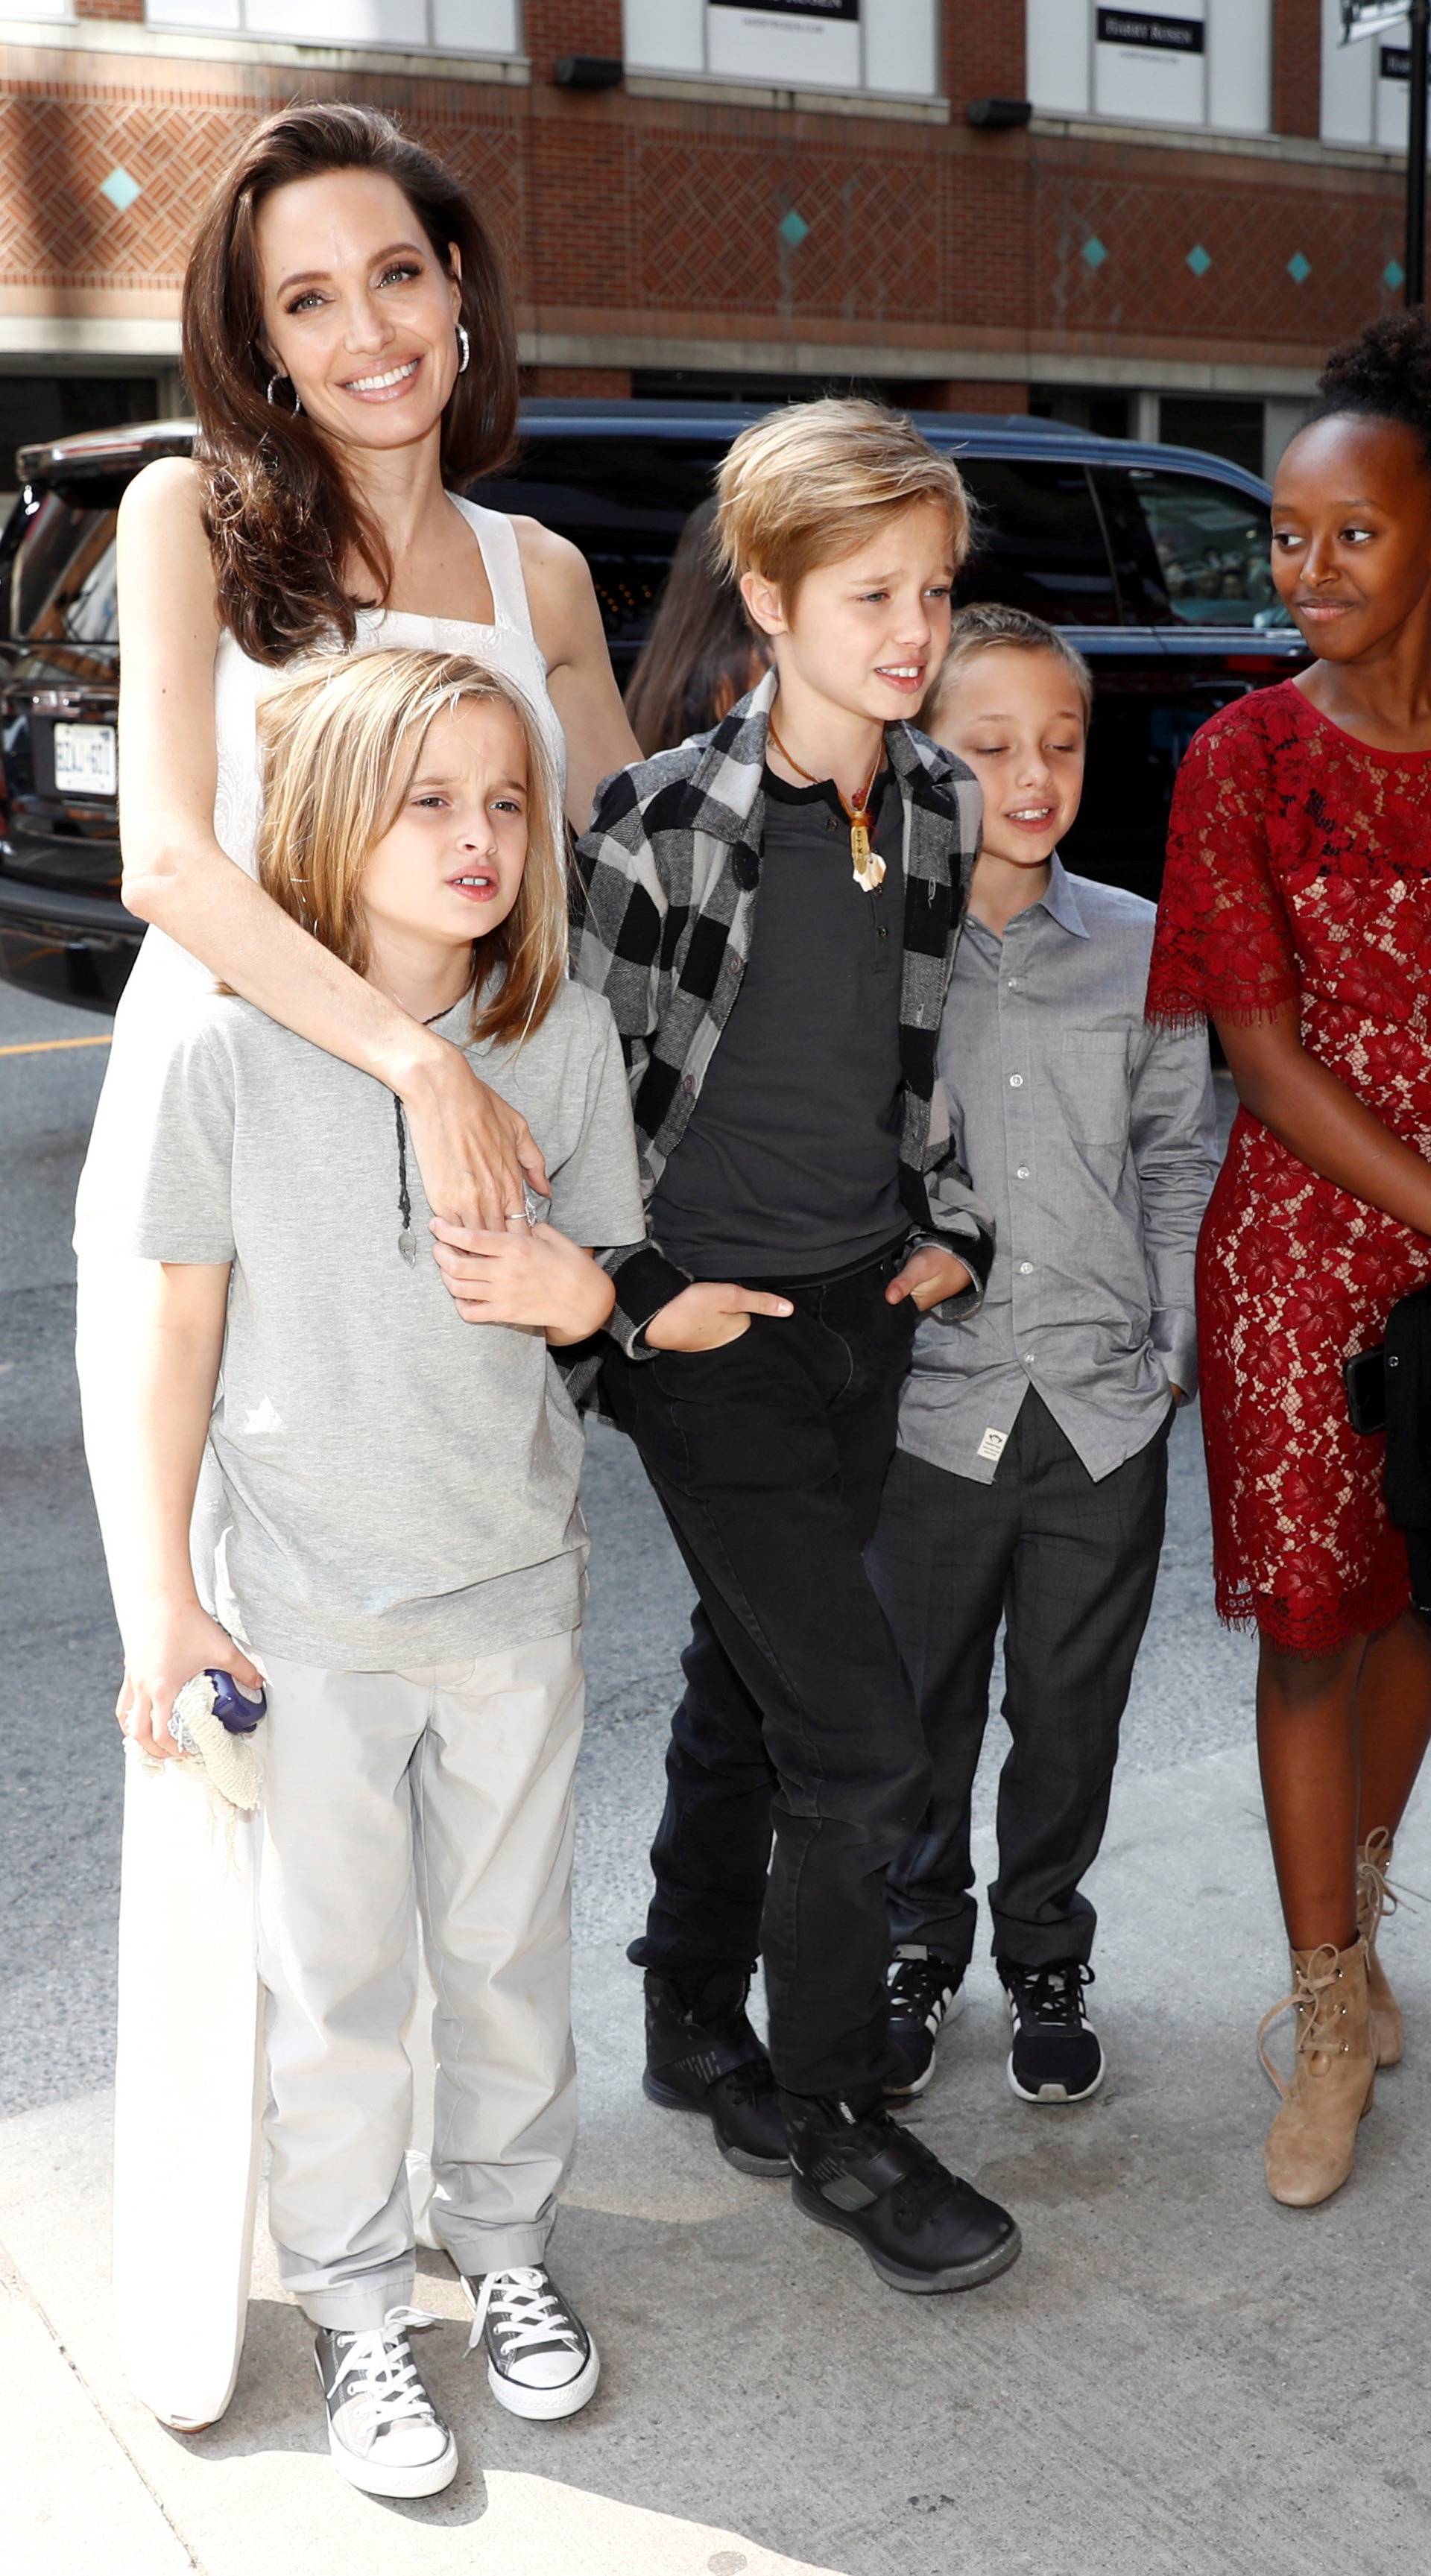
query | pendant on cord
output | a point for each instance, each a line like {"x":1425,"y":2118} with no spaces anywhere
{"x":867,"y":863}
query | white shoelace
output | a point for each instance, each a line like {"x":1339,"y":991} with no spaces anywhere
{"x":387,"y":2390}
{"x":525,"y":2310}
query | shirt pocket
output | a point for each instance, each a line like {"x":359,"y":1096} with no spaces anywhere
{"x":1090,"y":1075}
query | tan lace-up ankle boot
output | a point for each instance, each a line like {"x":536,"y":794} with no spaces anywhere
{"x":1312,"y":2141}
{"x":1375,"y":1897}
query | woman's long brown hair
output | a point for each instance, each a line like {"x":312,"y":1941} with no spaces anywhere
{"x":282,"y":519}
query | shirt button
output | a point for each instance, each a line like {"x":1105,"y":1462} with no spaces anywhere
{"x":881,"y":932}
{"x":1013,"y":983}
{"x":1026,"y":1269}
{"x":1028,"y":1359}
{"x":1016,"y":1082}
{"x":1022,"y":1173}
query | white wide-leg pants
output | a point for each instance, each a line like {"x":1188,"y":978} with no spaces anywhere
{"x":444,"y":1789}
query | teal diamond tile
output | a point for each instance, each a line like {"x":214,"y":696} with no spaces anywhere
{"x":1393,"y":275}
{"x":792,"y":228}
{"x":1298,"y":268}
{"x":120,"y":189}
{"x":1199,"y":260}
{"x":1094,"y":251}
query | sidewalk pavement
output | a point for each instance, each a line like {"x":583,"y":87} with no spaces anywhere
{"x":1177,"y":2379}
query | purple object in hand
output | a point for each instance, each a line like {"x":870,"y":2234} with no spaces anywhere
{"x":232,"y":1707}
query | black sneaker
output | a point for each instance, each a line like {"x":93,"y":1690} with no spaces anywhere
{"x":922,"y":2228}
{"x":1056,"y":2055}
{"x":541,"y":2362}
{"x":924,"y":1993}
{"x":384,"y":2432}
{"x":702,"y":2055}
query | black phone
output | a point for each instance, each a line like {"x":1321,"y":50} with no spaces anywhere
{"x":1364,"y":1378}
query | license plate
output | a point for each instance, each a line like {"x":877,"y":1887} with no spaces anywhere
{"x":86,"y":760}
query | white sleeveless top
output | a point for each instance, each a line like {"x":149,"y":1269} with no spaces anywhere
{"x":163,"y":972}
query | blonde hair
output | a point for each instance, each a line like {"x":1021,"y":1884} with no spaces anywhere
{"x":340,"y":741}
{"x":809,"y":484}
{"x":987,"y":628}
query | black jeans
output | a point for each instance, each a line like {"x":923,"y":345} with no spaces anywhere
{"x":768,"y":1458}
{"x":1070,"y":1566}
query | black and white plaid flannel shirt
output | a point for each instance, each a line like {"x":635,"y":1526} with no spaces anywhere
{"x":664,"y":915}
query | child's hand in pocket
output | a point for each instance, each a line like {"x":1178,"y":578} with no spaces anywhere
{"x":171,"y":1641}
{"x":710,"y":1313}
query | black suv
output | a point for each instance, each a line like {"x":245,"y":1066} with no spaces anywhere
{"x":1154,"y":559}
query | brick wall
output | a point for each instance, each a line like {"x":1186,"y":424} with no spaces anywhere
{"x":984,"y":51}
{"x":1296,"y":68}
{"x":660,"y":221}
{"x":130,"y":9}
{"x":556,"y":27}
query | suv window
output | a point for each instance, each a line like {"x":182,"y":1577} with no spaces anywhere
{"x":624,"y":502}
{"x":1211,"y":551}
{"x":63,"y":584}
{"x":1039,"y":541}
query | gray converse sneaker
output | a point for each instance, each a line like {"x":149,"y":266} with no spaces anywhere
{"x":384,"y":2432}
{"x":541,"y":2362}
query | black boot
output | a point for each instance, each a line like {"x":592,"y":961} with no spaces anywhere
{"x":923,"y":2229}
{"x":702,"y":2055}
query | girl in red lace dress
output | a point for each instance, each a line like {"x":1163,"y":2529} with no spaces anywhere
{"x":1296,"y":914}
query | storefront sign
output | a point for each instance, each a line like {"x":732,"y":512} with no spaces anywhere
{"x":1144,"y":27}
{"x":1152,"y":64}
{"x":847,"y":9}
{"x":786,"y":42}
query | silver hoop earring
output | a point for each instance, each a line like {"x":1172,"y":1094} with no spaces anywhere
{"x":465,"y":345}
{"x":281,"y":379}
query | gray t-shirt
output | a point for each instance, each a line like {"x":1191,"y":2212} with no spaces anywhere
{"x":384,"y":1484}
{"x":789,"y":1164}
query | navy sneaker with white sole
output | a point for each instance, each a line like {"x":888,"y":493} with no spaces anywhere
{"x":925,"y":1992}
{"x":1057,"y":2055}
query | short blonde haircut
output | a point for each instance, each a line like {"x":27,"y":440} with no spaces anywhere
{"x":808,"y":485}
{"x":987,"y":628}
{"x":340,"y":741}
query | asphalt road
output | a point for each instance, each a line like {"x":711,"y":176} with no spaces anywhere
{"x":59,"y":1817}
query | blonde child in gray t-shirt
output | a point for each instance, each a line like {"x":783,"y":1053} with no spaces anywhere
{"x":359,"y":1421}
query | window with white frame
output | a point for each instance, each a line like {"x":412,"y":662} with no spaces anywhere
{"x":1189,"y":62}
{"x":1366,"y":87}
{"x":887,"y":47}
{"x":415,"y":26}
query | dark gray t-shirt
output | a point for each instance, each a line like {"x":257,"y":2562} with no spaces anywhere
{"x":789,"y":1165}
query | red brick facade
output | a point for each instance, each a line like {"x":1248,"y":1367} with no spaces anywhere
{"x":655,"y":231}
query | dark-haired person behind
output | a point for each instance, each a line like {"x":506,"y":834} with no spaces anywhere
{"x":702,"y":653}
{"x":1296,"y":914}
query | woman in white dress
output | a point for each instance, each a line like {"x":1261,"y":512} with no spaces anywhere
{"x":350,"y":349}
{"x":351,"y":352}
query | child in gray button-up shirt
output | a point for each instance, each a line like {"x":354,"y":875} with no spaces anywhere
{"x":1031,"y":1477}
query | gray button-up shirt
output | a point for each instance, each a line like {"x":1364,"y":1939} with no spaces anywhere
{"x":1092,"y":1137}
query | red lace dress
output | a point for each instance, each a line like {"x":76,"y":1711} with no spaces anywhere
{"x":1299,"y":871}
